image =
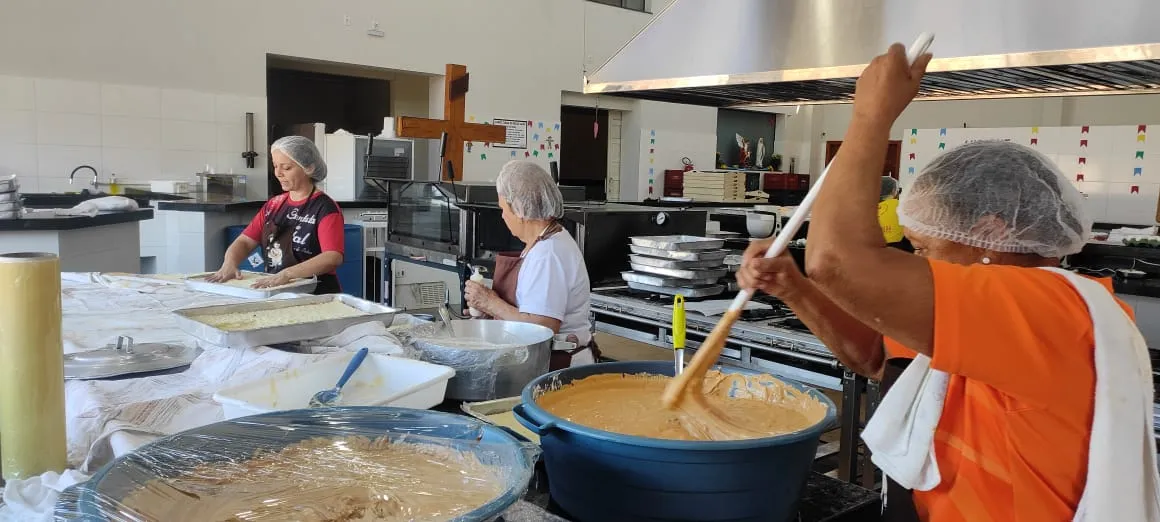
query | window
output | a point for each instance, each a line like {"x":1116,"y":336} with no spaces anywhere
{"x":635,"y":5}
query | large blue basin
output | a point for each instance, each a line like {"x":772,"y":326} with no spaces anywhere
{"x":598,"y":476}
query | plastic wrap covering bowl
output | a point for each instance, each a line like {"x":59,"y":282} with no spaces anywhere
{"x":178,"y":459}
{"x":492,"y":359}
{"x":598,"y":476}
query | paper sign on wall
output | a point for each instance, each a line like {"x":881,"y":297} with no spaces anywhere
{"x":517,"y":133}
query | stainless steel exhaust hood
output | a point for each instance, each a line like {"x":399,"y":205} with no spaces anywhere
{"x":727,"y":53}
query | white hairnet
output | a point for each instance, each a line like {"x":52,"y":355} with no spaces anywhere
{"x":529,"y":190}
{"x":303,"y":152}
{"x":997,"y":195}
{"x":889,"y":187}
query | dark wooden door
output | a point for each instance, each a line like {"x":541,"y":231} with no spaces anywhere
{"x":893,"y":156}
{"x":584,"y":157}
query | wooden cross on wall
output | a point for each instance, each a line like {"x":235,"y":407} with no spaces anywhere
{"x":458,"y":131}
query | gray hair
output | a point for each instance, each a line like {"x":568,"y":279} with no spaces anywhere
{"x":302,"y":151}
{"x":529,"y":190}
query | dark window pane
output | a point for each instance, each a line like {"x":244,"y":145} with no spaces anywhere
{"x":637,"y":5}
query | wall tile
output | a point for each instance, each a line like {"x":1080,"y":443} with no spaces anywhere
{"x":55,"y":162}
{"x":17,"y":126}
{"x":68,"y":96}
{"x":188,"y":135}
{"x":232,"y":137}
{"x":232,"y":109}
{"x":17,"y":93}
{"x":19,"y":159}
{"x":29,"y":184}
{"x":131,"y":132}
{"x":187,"y":105}
{"x":132,"y":164}
{"x":131,"y":100}
{"x":184,"y":164}
{"x":61,"y":128}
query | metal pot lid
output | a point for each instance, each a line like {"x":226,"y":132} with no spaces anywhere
{"x":126,"y":358}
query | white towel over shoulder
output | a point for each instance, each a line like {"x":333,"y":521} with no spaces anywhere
{"x":1122,"y":481}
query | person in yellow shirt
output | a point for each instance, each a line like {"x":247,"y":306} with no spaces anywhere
{"x":888,"y":211}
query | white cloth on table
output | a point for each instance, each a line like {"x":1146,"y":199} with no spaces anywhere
{"x":1122,"y":479}
{"x":33,"y":499}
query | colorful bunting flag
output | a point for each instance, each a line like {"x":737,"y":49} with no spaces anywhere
{"x":1135,"y":189}
{"x":1138,"y":171}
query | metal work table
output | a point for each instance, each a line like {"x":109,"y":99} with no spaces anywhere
{"x":756,"y":345}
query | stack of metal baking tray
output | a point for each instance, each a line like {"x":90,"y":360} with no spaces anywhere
{"x":677,"y":265}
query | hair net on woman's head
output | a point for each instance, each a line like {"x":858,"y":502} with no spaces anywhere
{"x":997,"y":195}
{"x":529,"y":190}
{"x":889,"y":187}
{"x":303,"y":151}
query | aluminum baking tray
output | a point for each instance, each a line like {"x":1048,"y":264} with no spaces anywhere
{"x":678,"y":242}
{"x":11,"y":206}
{"x":681,"y":255}
{"x":9,"y":184}
{"x":187,"y":321}
{"x":9,"y":196}
{"x":687,"y":291}
{"x":198,"y":283}
{"x":656,"y":280}
{"x":671,"y":263}
{"x":681,"y":273}
{"x":499,"y":413}
{"x":11,"y":215}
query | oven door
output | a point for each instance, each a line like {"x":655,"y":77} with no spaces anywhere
{"x":423,"y":216}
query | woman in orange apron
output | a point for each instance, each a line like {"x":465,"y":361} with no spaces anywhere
{"x":547,"y":282}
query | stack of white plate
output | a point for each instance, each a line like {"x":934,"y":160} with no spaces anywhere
{"x":10,"y":206}
{"x":691,"y":266}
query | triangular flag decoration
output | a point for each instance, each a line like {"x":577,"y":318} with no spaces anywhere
{"x":1083,"y":130}
{"x":1140,"y":138}
{"x":536,"y":137}
{"x":557,"y":146}
{"x":913,"y":141}
{"x":1142,"y":128}
{"x":652,"y":141}
{"x":942,"y":145}
{"x":914,"y":132}
{"x":549,"y":154}
{"x":486,"y":144}
{"x":911,"y":155}
{"x":1035,"y":141}
{"x":536,"y":153}
{"x":1135,"y":189}
{"x":650,"y":170}
{"x":529,"y":123}
{"x":1082,"y":161}
{"x":513,"y":153}
{"x":910,"y":170}
{"x":651,"y":151}
{"x":541,"y":146}
{"x":1034,"y":130}
{"x":1083,"y":143}
{"x":527,"y":154}
{"x":483,"y":156}
{"x":1079,"y":177}
{"x":540,"y":125}
{"x":1139,"y":154}
{"x":942,"y":132}
{"x":1138,"y":171}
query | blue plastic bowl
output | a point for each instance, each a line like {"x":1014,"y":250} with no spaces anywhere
{"x":599,"y":476}
{"x":97,"y":499}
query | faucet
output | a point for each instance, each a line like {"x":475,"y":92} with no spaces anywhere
{"x":96,"y":184}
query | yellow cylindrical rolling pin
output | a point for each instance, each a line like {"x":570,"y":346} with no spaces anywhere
{"x":32,"y":425}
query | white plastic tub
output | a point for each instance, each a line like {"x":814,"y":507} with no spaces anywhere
{"x":380,"y":381}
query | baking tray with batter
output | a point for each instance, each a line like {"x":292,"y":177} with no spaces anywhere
{"x":187,"y":320}
{"x":298,"y":286}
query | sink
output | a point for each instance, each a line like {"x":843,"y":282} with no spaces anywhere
{"x":69,"y":200}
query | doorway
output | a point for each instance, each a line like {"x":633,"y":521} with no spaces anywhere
{"x":893,"y":156}
{"x":297,"y":98}
{"x":584,"y":156}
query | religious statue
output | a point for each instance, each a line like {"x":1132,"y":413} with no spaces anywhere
{"x":743,"y":148}
{"x":760,"y":153}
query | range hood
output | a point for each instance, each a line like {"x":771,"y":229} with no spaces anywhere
{"x":728,"y":53}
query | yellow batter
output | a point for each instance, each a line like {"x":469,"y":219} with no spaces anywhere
{"x":242,"y":321}
{"x":325,"y":480}
{"x":751,"y":407}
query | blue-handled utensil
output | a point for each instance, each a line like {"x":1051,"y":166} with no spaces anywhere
{"x":327,"y":398}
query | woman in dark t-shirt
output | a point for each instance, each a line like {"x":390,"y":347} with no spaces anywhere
{"x":300,"y":231}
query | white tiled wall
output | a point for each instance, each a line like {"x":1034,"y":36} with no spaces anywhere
{"x":141,"y":133}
